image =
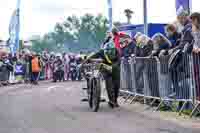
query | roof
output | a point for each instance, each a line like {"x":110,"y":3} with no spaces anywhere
{"x":131,"y":26}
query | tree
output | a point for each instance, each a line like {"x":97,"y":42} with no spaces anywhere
{"x":128,"y":13}
{"x":77,"y":34}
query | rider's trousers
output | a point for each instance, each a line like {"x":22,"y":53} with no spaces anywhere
{"x":112,"y":82}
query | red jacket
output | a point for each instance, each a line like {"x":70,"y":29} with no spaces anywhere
{"x":117,"y":39}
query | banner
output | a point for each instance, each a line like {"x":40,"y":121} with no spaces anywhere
{"x":13,"y":21}
{"x":183,"y":5}
{"x":14,"y":31}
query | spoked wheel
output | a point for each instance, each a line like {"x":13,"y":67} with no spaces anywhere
{"x":89,"y":91}
{"x":96,"y":94}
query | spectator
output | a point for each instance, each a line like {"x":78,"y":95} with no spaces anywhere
{"x":42,"y":67}
{"x":144,"y":45}
{"x":116,"y":38}
{"x":66,"y":66}
{"x":184,"y":27}
{"x":127,"y":46}
{"x":195,"y":17}
{"x":182,"y":19}
{"x":178,"y":63}
{"x":58,"y":66}
{"x":5,"y":68}
{"x":161,"y":44}
{"x":27,"y":67}
{"x":36,"y":68}
{"x":45,"y":59}
{"x":51,"y":60}
{"x":173,"y":35}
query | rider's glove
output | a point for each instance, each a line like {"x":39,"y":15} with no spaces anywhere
{"x":103,"y":66}
{"x":99,"y":66}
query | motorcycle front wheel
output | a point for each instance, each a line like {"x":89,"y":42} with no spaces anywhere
{"x":96,"y":94}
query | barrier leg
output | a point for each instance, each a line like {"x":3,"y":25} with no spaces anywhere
{"x":129,"y":96}
{"x":133,"y":99}
{"x":196,"y":108}
{"x":121,"y":99}
{"x":154,"y":100}
{"x":162,"y":101}
{"x":182,"y":108}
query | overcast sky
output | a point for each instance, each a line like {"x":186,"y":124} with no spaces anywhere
{"x":40,"y":16}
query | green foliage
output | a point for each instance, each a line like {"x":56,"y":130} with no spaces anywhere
{"x":74,"y":34}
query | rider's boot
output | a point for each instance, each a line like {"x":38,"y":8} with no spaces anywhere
{"x":116,"y":94}
{"x":117,"y":105}
{"x":111,"y":104}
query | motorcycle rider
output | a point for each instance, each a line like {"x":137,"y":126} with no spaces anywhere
{"x":110,"y":68}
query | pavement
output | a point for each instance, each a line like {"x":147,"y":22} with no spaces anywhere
{"x":57,"y":108}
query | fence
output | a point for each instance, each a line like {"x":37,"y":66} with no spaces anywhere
{"x":162,"y":81}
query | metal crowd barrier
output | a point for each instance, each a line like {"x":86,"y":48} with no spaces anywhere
{"x":196,"y":80}
{"x":154,"y":80}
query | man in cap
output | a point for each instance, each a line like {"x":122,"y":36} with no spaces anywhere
{"x":182,"y":19}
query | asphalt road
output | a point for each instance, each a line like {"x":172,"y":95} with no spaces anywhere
{"x":56,"y":108}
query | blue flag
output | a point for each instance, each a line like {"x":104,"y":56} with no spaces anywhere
{"x":13,"y":22}
{"x":13,"y":31}
{"x":183,"y":5}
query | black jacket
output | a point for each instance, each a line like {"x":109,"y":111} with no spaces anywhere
{"x":187,"y":38}
{"x":128,"y":50}
{"x":144,"y":51}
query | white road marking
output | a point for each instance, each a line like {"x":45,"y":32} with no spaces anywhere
{"x":52,"y":88}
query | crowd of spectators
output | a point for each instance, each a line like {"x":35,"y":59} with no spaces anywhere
{"x":30,"y":67}
{"x":182,"y":34}
{"x":181,"y":37}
